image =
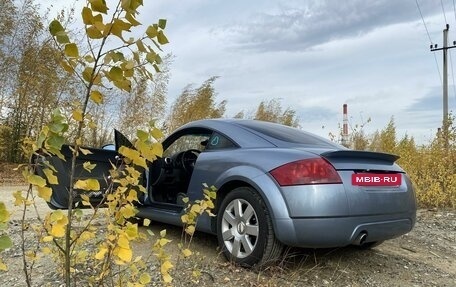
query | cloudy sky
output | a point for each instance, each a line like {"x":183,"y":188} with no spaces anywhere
{"x":314,"y":55}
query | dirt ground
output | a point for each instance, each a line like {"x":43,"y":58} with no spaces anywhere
{"x":424,"y":257}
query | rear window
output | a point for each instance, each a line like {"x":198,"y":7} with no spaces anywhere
{"x":287,"y":134}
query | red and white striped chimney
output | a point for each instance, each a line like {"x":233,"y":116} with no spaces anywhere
{"x":345,"y":126}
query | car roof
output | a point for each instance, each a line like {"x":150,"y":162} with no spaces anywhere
{"x":255,"y":133}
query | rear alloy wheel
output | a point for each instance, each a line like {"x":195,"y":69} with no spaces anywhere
{"x":244,"y":229}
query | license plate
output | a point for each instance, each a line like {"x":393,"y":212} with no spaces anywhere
{"x":376,"y":179}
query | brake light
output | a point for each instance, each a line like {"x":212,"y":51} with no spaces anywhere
{"x":307,"y":171}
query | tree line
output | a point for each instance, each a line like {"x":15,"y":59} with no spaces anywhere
{"x":35,"y":83}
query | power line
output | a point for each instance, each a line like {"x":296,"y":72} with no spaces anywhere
{"x":424,"y":22}
{"x":454,"y":9}
{"x":430,"y":40}
{"x":452,"y":74}
{"x":443,"y":10}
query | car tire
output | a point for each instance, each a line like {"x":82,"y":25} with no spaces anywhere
{"x":244,"y":229}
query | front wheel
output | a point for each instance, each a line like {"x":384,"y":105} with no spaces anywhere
{"x":244,"y":229}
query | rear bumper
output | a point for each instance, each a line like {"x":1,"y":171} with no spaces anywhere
{"x":342,"y":231}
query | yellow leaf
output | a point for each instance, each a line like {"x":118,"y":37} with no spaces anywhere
{"x":144,"y":278}
{"x":47,"y":238}
{"x":77,"y":115}
{"x":167,"y":278}
{"x":85,"y":151}
{"x":131,"y":230}
{"x":124,"y":254}
{"x":97,"y":97}
{"x":99,"y":6}
{"x":190,"y":229}
{"x":157,"y":133}
{"x":164,"y":241}
{"x":101,"y":254}
{"x":130,"y":18}
{"x":93,"y":32}
{"x":141,"y":46}
{"x":58,"y":230}
{"x":132,"y":196}
{"x":19,"y":199}
{"x":123,"y":242}
{"x":151,"y":31}
{"x":195,"y":208}
{"x":128,"y":211}
{"x":88,"y":166}
{"x":52,"y":179}
{"x":36,"y":180}
{"x":67,"y":67}
{"x":71,"y":50}
{"x":162,"y":38}
{"x":186,"y":252}
{"x":133,"y":155}
{"x":88,"y":184}
{"x":196,"y":273}
{"x":85,"y":200}
{"x":146,"y":222}
{"x":3,"y":266}
{"x":45,"y":193}
{"x":163,"y":233}
{"x":87,"y":16}
{"x":166,"y":266}
{"x":4,"y":214}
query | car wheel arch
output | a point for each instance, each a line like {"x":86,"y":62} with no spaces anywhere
{"x":228,"y":186}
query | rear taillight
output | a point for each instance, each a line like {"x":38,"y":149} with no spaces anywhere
{"x":307,"y":171}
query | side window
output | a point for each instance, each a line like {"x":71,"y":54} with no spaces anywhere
{"x":186,"y":142}
{"x":218,"y":141}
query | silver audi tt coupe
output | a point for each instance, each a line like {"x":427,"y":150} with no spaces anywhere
{"x":276,"y":186}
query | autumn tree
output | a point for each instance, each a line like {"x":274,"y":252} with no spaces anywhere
{"x":146,"y":101}
{"x":35,"y":85}
{"x":272,"y":111}
{"x":194,"y":104}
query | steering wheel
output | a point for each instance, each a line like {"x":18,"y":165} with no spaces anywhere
{"x":188,"y":160}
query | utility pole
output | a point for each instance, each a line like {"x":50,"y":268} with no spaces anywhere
{"x":445,"y":78}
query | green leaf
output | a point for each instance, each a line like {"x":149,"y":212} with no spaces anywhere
{"x":5,"y":242}
{"x":71,"y":50}
{"x":87,"y":16}
{"x":162,"y":38}
{"x":55,"y":27}
{"x":56,"y":141}
{"x":162,"y":23}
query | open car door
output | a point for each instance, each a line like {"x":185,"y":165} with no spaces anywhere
{"x":103,"y":159}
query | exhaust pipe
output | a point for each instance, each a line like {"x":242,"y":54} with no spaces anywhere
{"x":361,"y":238}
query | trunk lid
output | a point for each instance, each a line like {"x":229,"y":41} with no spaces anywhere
{"x":379,"y":198}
